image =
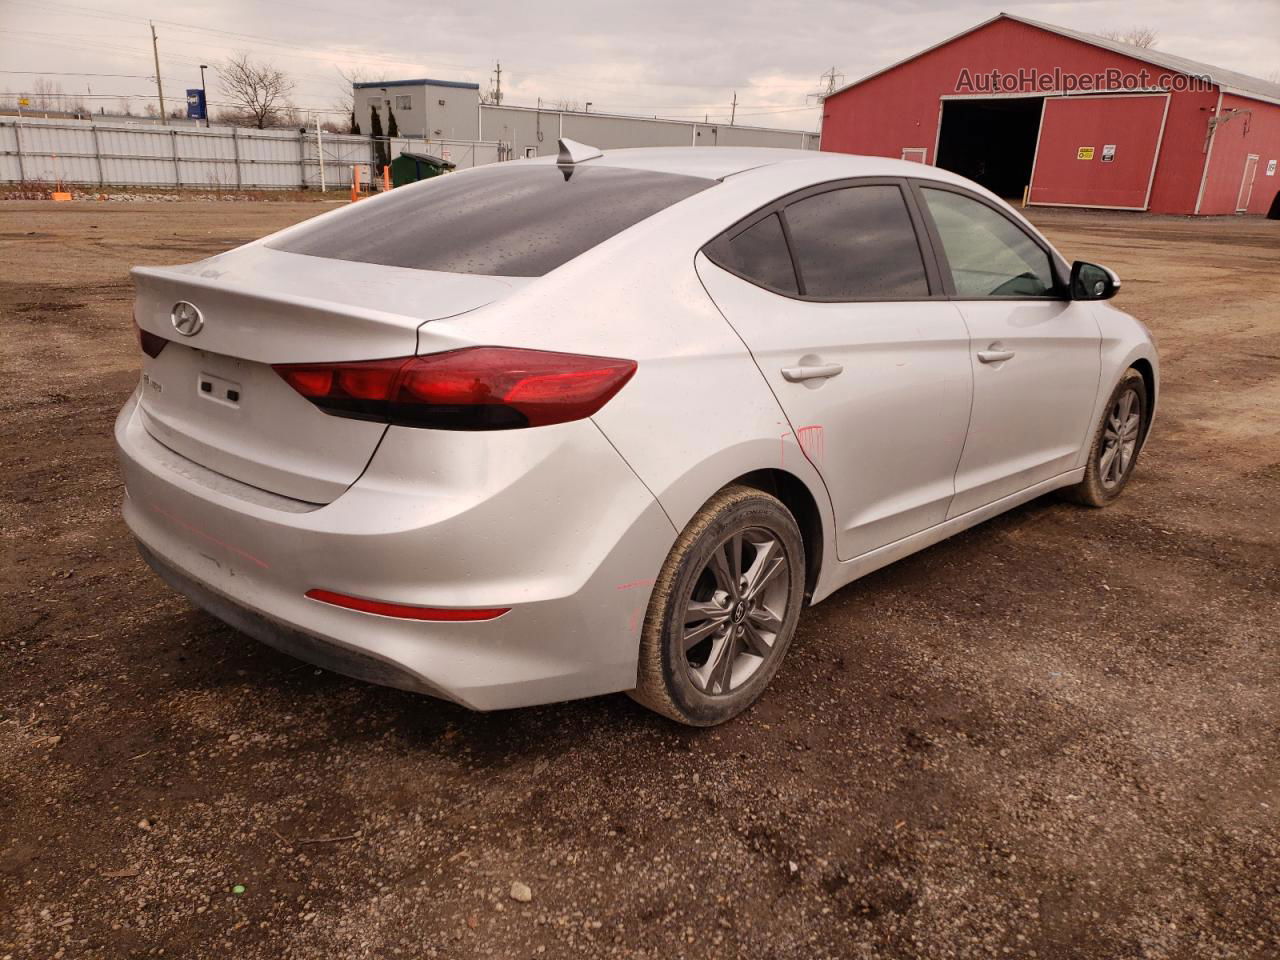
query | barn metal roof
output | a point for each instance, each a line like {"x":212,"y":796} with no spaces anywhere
{"x":1229,"y":80}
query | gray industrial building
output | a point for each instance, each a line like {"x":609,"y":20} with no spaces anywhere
{"x":446,"y":109}
{"x":431,"y":109}
{"x":532,"y":132}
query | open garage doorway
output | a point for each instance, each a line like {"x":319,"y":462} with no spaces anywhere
{"x":992,"y":141}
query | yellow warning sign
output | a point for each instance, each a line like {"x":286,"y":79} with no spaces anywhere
{"x":1084,"y":153}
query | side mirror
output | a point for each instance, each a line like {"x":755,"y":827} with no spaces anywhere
{"x":1089,"y":281}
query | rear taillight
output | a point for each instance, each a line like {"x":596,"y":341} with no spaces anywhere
{"x":151,"y":343}
{"x":476,"y":388}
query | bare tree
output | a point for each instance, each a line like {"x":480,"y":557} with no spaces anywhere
{"x":566,"y":104}
{"x":1140,"y":37}
{"x":46,"y":94}
{"x":257,"y":92}
{"x":291,"y":116}
{"x":346,"y":100}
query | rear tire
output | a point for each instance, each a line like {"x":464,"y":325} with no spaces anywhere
{"x":1117,"y":441}
{"x":723,"y":610}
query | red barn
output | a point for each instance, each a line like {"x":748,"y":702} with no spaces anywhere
{"x":1072,"y":120}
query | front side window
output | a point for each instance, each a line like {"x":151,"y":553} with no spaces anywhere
{"x":507,"y":220}
{"x":404,"y":103}
{"x":988,"y":254}
{"x":857,"y":243}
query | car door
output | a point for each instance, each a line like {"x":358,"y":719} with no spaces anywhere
{"x":837,"y":296}
{"x":1035,"y":352}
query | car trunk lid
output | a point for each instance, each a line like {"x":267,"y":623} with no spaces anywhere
{"x":213,"y":397}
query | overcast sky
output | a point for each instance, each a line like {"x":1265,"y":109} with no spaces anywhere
{"x":673,"y":58}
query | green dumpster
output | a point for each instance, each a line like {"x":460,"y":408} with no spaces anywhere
{"x":411,"y":167}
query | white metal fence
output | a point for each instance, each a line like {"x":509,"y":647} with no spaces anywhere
{"x":228,"y":158}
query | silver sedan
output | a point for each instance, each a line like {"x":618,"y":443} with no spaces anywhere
{"x":609,"y":421}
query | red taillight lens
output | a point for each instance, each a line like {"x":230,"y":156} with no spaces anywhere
{"x":310,"y":383}
{"x":405,"y":611}
{"x":150,"y":343}
{"x":477,"y":388}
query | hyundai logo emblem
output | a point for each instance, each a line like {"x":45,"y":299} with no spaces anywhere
{"x":187,"y":318}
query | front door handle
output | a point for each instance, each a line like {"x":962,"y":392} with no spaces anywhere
{"x":817,"y":371}
{"x":994,"y":356}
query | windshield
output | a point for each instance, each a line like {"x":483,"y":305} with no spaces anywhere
{"x":509,"y":220}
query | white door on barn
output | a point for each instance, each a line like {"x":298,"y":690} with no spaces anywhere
{"x":1246,"y":183}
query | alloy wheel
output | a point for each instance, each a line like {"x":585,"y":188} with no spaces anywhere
{"x":1120,"y":439}
{"x":734,"y":612}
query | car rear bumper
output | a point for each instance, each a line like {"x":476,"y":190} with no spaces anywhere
{"x":347,"y":659}
{"x":550,"y":523}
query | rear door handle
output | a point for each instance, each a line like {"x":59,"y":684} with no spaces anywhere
{"x":994,"y":356}
{"x":817,"y":371}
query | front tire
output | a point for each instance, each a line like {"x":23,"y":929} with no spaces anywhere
{"x":1116,"y":444}
{"x":723,"y":610}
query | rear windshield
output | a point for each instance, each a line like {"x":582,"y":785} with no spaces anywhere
{"x":508,"y":220}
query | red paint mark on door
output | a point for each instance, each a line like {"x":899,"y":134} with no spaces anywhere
{"x":812,"y":442}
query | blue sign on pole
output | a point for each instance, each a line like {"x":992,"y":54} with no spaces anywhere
{"x":195,"y":105}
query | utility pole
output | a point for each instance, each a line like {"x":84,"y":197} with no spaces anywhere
{"x":497,"y":85}
{"x":155,"y":50}
{"x":734,"y":112}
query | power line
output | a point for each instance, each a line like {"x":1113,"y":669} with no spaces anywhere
{"x":308,"y":52}
{"x":71,"y":98}
{"x":95,"y":44}
{"x":168,"y":77}
{"x":256,"y":38}
{"x":63,"y":73}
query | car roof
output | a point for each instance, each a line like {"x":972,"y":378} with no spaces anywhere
{"x":717,"y":163}
{"x":712,"y":162}
{"x":773,"y":171}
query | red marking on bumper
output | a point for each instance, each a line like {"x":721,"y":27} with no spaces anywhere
{"x":212,"y":539}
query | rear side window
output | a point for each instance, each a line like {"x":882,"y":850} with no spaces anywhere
{"x":857,"y":243}
{"x":504,"y":220}
{"x":759,"y":254}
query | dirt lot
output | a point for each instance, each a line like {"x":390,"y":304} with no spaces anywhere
{"x":1056,"y":735}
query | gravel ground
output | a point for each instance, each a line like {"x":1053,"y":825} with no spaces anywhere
{"x":1057,"y":735}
